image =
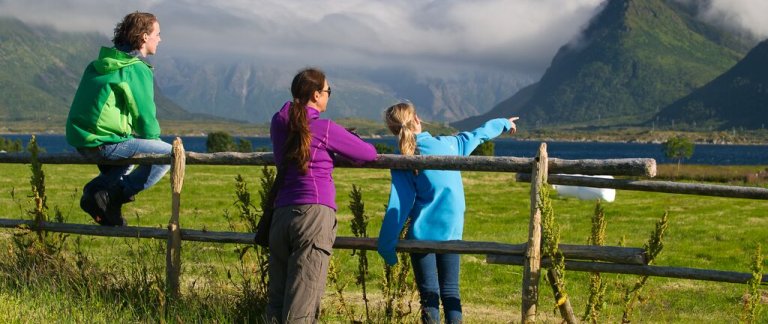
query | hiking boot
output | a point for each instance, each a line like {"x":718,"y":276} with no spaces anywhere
{"x":104,"y":204}
{"x":114,"y":203}
{"x":109,"y":203}
{"x":89,"y":205}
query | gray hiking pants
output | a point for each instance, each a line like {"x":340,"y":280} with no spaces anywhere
{"x":300,"y":241}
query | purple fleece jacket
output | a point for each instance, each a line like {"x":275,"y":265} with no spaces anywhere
{"x":328,"y":139}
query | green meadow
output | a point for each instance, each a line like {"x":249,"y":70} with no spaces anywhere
{"x":122,"y":279}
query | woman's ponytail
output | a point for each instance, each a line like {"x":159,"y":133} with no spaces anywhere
{"x":303,"y":87}
{"x":299,"y":137}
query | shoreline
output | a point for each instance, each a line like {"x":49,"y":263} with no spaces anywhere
{"x":504,"y":137}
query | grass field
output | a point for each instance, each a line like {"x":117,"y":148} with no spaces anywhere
{"x":704,"y":232}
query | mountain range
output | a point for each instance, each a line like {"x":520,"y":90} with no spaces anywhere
{"x":40,"y":69}
{"x":251,"y":91}
{"x":633,"y":59}
{"x":637,"y":62}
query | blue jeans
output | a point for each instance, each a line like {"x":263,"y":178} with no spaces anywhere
{"x":131,"y":179}
{"x":437,"y":276}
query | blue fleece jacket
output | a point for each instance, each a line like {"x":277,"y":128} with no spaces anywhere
{"x":433,"y":199}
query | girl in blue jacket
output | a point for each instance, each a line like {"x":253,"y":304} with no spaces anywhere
{"x":434,"y":202}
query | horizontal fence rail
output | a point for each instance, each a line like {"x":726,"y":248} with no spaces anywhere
{"x":627,"y":167}
{"x":655,"y":186}
{"x":583,"y":252}
{"x":645,"y":270}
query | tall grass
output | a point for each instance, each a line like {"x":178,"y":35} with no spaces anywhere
{"x":597,"y":286}
{"x":40,"y":266}
{"x":111,"y":280}
{"x":550,"y":241}
{"x":752,"y":307}
{"x":251,"y":270}
{"x":652,"y":249}
{"x":359,"y":226}
{"x":729,"y":174}
{"x":397,"y":299}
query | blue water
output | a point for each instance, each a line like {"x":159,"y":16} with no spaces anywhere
{"x":703,"y":153}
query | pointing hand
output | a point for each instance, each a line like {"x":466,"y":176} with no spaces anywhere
{"x":514,"y":127}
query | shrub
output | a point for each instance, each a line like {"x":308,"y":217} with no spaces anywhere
{"x":220,"y":142}
{"x":485,"y":149}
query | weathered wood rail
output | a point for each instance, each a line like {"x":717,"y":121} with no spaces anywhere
{"x":542,"y":169}
{"x":614,"y":254}
{"x":655,"y":186}
{"x":641,"y":269}
{"x":628,"y":167}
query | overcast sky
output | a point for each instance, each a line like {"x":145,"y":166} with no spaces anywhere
{"x":519,"y":36}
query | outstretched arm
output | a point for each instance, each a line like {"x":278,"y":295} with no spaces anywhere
{"x":468,"y":141}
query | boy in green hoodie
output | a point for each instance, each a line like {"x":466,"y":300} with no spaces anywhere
{"x":113,"y":116}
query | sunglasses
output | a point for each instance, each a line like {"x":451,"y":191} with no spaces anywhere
{"x":328,"y":91}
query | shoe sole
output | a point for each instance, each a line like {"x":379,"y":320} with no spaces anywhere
{"x":88,"y":206}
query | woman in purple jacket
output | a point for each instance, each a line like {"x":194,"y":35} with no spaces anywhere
{"x":304,"y":223}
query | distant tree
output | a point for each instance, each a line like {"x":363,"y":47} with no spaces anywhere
{"x":485,"y":149}
{"x":244,"y":146}
{"x":262,"y":149}
{"x":383,"y":148}
{"x":220,"y":142}
{"x":678,"y":148}
{"x":8,"y":145}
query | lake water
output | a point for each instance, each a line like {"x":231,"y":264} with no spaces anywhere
{"x":703,"y":153}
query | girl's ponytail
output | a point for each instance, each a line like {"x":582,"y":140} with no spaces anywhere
{"x":401,"y":119}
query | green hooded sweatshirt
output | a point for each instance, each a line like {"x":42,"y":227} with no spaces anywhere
{"x":114,"y":102}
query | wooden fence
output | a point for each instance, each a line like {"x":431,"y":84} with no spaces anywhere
{"x":541,"y":169}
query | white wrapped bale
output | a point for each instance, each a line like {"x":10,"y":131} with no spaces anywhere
{"x":587,"y":193}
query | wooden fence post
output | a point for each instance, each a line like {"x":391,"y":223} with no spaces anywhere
{"x":532,"y":265}
{"x":173,"y":251}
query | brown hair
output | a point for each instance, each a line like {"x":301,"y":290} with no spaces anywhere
{"x":129,"y":33}
{"x":400,"y":120}
{"x":303,"y":88}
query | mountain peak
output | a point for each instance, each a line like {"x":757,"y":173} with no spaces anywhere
{"x":633,"y":58}
{"x":735,"y":99}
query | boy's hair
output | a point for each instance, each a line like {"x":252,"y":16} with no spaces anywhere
{"x":129,"y":33}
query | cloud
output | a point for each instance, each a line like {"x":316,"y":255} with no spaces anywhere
{"x":748,"y":15}
{"x":518,"y":36}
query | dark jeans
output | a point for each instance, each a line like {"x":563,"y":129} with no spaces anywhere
{"x":132,"y":180}
{"x":437,"y":276}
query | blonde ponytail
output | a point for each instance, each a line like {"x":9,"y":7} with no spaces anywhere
{"x":407,"y":140}
{"x":401,"y":121}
